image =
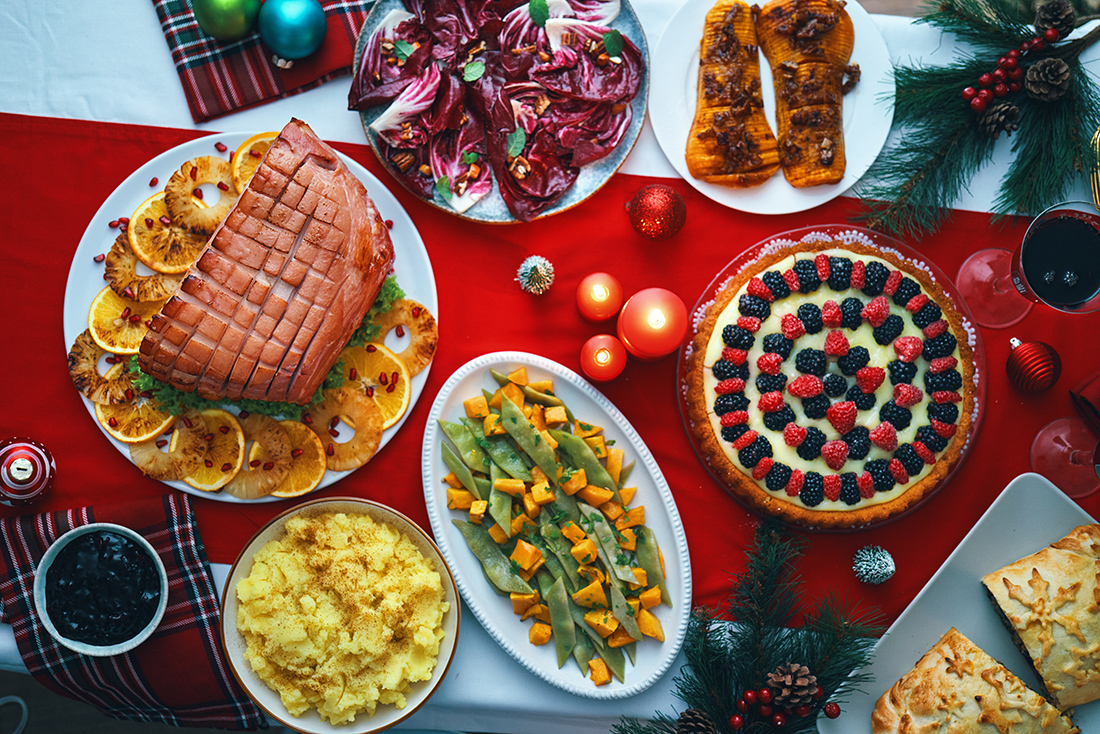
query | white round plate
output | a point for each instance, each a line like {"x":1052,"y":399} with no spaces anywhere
{"x":868,"y":111}
{"x":495,"y":611}
{"x":411,"y":265}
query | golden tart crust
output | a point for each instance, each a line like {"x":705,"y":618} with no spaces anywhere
{"x":721,"y":457}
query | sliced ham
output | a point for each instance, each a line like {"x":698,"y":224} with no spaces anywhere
{"x":282,"y":284}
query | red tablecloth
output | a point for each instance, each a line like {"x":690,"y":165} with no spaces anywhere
{"x":59,"y":172}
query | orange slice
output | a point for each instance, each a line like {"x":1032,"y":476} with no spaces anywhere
{"x":160,"y":243}
{"x":224,"y":452}
{"x":133,"y":421}
{"x":118,"y":324}
{"x":248,"y":156}
{"x":307,"y":462}
{"x":375,"y":369}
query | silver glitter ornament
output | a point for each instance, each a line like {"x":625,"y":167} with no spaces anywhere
{"x":873,"y":564}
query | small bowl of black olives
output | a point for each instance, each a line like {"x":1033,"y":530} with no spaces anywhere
{"x":100,"y":589}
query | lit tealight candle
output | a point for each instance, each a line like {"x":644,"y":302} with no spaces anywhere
{"x":652,"y":323}
{"x":603,"y":357}
{"x":599,"y":296}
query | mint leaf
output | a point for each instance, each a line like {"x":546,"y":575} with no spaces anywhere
{"x":443,"y":187}
{"x":473,"y":71}
{"x":613,"y":43}
{"x":470,"y":157}
{"x":403,"y":49}
{"x":516,"y":140}
{"x":540,"y":12}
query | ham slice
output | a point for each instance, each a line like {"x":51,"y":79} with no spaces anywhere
{"x":282,"y":284}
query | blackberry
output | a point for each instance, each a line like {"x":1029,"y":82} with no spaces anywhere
{"x":851,"y":313}
{"x":777,"y":478}
{"x":928,"y":313}
{"x":737,"y":337}
{"x":943,"y":412}
{"x":810,"y":448}
{"x":834,"y":385}
{"x":840,"y":273}
{"x":907,"y":288}
{"x":849,"y":489}
{"x":816,"y":406}
{"x":770,"y":383}
{"x":813,"y":489}
{"x":901,"y":372}
{"x":893,"y":413}
{"x":852,"y":362}
{"x":732,"y":433}
{"x":875,"y":279}
{"x":949,"y":380}
{"x":726,"y":370}
{"x":909,"y":458}
{"x":811,"y":362}
{"x":730,"y":402}
{"x":751,"y":455}
{"x":779,"y":419}
{"x":889,"y":330}
{"x":859,"y":442}
{"x":931,"y":439}
{"x":863,"y":400}
{"x":880,"y":474}
{"x":940,"y":346}
{"x":808,"y":282}
{"x":778,"y":344}
{"x":811,"y":317}
{"x":749,"y":305}
{"x":774,"y":280}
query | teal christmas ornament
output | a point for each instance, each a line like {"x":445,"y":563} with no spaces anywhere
{"x":226,"y":20}
{"x":535,"y":275}
{"x":292,"y":29}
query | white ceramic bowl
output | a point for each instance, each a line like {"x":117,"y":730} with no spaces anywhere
{"x":40,"y":590}
{"x":386,"y":715}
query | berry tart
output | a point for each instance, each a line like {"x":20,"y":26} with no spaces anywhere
{"x":831,"y":382}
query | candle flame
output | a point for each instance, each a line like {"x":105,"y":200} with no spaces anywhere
{"x":656,"y":319}
{"x":600,"y":292}
{"x":603,"y":356}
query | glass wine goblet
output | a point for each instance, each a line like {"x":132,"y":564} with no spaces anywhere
{"x":1067,"y":452}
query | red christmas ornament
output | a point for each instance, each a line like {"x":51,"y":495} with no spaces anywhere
{"x":657,"y":212}
{"x":1033,"y":366}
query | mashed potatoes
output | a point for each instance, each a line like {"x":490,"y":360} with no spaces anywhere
{"x":341,"y":614}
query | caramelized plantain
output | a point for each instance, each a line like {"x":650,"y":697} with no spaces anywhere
{"x":730,"y":142}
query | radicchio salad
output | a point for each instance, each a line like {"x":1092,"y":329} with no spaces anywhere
{"x":523,"y":93}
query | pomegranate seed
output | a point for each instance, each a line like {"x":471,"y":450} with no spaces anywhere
{"x":352,"y":373}
{"x":187,"y":421}
{"x":223,"y":186}
{"x":307,"y":419}
{"x":208,"y":437}
{"x":146,"y":393}
{"x":416,"y":311}
{"x":123,"y":220}
{"x":254,"y":153}
{"x":149,"y":324}
{"x":208,"y":463}
{"x":372,"y":348}
{"x":197,"y":193}
{"x":269,"y":466}
{"x":392,"y":387}
{"x":389,"y":224}
{"x":295,"y":453}
{"x":334,"y":433}
{"x":111,"y":359}
{"x":149,"y":222}
{"x":161,"y":443}
{"x":194,"y":173}
{"x":128,"y":292}
{"x":125,"y":313}
{"x":400,"y":330}
{"x":370,"y":391}
{"x":383,"y":378}
{"x":135,"y":318}
{"x":332,"y":423}
{"x":254,"y":463}
{"x":223,"y":429}
{"x":169,"y":432}
{"x":166,"y":220}
{"x":330,"y":450}
{"x":100,"y":257}
{"x":393,"y":379}
{"x":220,"y":147}
{"x":231,"y":154}
{"x":105,"y":276}
{"x":112,"y":421}
{"x":226,"y":466}
{"x":123,"y":228}
{"x":154,"y":181}
{"x":129,"y":394}
{"x":243,"y":414}
{"x":113,"y":223}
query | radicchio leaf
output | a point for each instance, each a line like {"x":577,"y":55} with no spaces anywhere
{"x":416,"y":98}
{"x":575,"y":72}
{"x":452,"y":167}
{"x":598,"y":12}
{"x":377,"y":81}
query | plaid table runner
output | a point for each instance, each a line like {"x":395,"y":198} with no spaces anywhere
{"x":178,"y":676}
{"x":219,"y":78}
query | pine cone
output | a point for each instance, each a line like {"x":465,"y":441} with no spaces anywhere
{"x":1056,"y":14}
{"x":999,"y":117}
{"x":793,"y":685}
{"x":695,"y":721}
{"x":1047,"y":79}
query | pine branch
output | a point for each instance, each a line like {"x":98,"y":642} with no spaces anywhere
{"x":983,"y":24}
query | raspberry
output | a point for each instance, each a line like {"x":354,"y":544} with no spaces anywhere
{"x":778,"y":477}
{"x":811,"y":362}
{"x":897,"y":471}
{"x":728,"y":386}
{"x":770,"y":383}
{"x":924,"y":452}
{"x":840,"y":273}
{"x":778,"y":344}
{"x":851,"y":309}
{"x":771,"y":402}
{"x":816,"y":406}
{"x":810,"y":315}
{"x":810,"y":448}
{"x":901,"y":371}
{"x":890,"y":329}
{"x":908,"y":348}
{"x":869,"y":378}
{"x":940,"y":346}
{"x":777,"y":420}
{"x":866,"y":484}
{"x":790,"y":277}
{"x":875,"y":278}
{"x":906,"y":395}
{"x":794,"y":434}
{"x":859,"y":271}
{"x":775,"y":283}
{"x":830,"y":314}
{"x":748,"y":305}
{"x":891,"y":412}
{"x":946,"y":412}
{"x":842,"y":416}
{"x":735,"y":356}
{"x":821,"y":262}
{"x":834,"y":385}
{"x":944,"y":430}
{"x":724,"y":369}
{"x":728,"y":403}
{"x":890,"y":287}
{"x":876,"y":311}
{"x":880,"y":474}
{"x":763,"y":466}
{"x":794,"y":484}
{"x":791,"y":326}
{"x":863,"y":400}
{"x":849,"y":488}
{"x":916,"y":303}
{"x":746,"y":438}
{"x":734,"y":418}
{"x":805,"y":386}
{"x":856,"y":358}
{"x":757,"y":288}
{"x":934,"y":329}
{"x":885,"y":436}
{"x":906,"y":290}
{"x":749,"y":323}
{"x":808,"y":280}
{"x":813,"y":489}
{"x":737,"y":338}
{"x":769,"y":363}
{"x":836,"y":344}
{"x":832,"y":486}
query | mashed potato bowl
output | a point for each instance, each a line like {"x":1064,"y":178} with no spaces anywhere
{"x":236,"y":645}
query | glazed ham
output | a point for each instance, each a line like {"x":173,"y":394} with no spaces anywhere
{"x":282,"y":284}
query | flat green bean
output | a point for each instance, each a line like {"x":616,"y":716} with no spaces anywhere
{"x":562,"y":626}
{"x":501,"y":451}
{"x":607,"y":545}
{"x":649,"y":558}
{"x":528,"y":438}
{"x":554,"y":540}
{"x":624,"y":612}
{"x":496,"y":565}
{"x":456,"y":465}
{"x":542,"y":398}
{"x":466,"y":445}
{"x":584,"y":457}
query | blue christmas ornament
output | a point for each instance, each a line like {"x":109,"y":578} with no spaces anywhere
{"x":292,"y":29}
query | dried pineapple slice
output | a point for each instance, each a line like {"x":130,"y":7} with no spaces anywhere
{"x":185,"y":455}
{"x":258,"y":481}
{"x":121,"y":273}
{"x":360,"y":411}
{"x":179,"y":194}
{"x":84,"y":371}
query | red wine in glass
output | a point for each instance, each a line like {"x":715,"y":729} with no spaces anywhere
{"x":1058,"y":262}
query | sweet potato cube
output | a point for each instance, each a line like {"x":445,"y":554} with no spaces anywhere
{"x":619,"y":637}
{"x":530,"y":507}
{"x":650,"y":626}
{"x":518,"y":376}
{"x":529,"y":573}
{"x":476,"y":407}
{"x":538,"y":475}
{"x":576,"y":482}
{"x":520,"y":521}
{"x":601,"y":620}
{"x":459,"y":499}
{"x":478,"y":510}
{"x":639,"y":573}
{"x":539,"y":634}
{"x":494,"y":401}
{"x":631,"y":518}
{"x":510,"y":485}
{"x":541,"y":493}
{"x":537,"y":417}
{"x":522,"y":602}
{"x":539,"y":611}
{"x":626,"y":494}
{"x":584,"y":430}
{"x":513,"y":392}
{"x":598,"y":446}
{"x":546,"y":387}
{"x":548,"y":438}
{"x":612,"y":510}
{"x":555,"y":415}
{"x":651,"y":597}
{"x":585,"y":551}
{"x":573,"y":531}
{"x":452,"y":481}
{"x":592,"y":595}
{"x":594,"y":495}
{"x":492,"y":425}
{"x":598,"y":672}
{"x":629,"y":539}
{"x":634,"y":603}
{"x":498,"y":535}
{"x":592,"y":573}
{"x":614,"y":463}
{"x":525,"y":555}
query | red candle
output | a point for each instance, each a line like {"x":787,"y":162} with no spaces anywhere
{"x":652,"y":323}
{"x":599,"y":296}
{"x":603,"y":357}
{"x":26,"y":471}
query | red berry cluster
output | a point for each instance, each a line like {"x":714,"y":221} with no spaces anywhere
{"x":759,"y":703}
{"x":1006,"y":78}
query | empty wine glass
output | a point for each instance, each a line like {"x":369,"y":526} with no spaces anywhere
{"x":1067,"y":452}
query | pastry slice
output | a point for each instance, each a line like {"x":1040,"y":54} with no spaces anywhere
{"x":956,"y":688}
{"x":1050,"y":601}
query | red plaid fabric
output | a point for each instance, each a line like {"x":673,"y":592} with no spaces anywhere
{"x":165,"y":679}
{"x":219,"y":78}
